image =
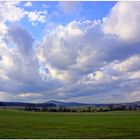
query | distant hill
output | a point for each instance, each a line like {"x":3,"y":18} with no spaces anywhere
{"x":22,"y":104}
{"x":75,"y":104}
{"x":137,"y":102}
{"x":53,"y":103}
{"x":67,"y":104}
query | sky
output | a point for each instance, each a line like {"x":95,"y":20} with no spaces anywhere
{"x":70,"y":51}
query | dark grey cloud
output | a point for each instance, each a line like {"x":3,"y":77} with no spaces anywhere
{"x":21,"y":37}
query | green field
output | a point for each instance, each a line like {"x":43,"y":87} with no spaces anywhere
{"x":21,"y":124}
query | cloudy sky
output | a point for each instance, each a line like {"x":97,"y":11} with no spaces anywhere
{"x":70,"y":51}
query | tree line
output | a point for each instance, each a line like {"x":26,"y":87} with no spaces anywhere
{"x":81,"y":109}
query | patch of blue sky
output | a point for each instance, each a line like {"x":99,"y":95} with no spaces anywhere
{"x":96,"y":10}
{"x":36,"y":29}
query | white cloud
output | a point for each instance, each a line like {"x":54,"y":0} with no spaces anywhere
{"x":71,"y":50}
{"x":130,"y":64}
{"x":59,"y":52}
{"x":9,"y":10}
{"x":123,"y":21}
{"x":28,"y":4}
{"x":29,"y":95}
{"x":3,"y":29}
{"x":37,"y":16}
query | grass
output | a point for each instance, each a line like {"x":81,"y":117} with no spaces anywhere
{"x":21,"y":124}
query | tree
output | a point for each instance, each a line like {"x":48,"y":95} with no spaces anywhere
{"x":89,"y":109}
{"x":30,"y":107}
{"x":123,"y":107}
{"x":101,"y":110}
{"x":130,"y":108}
{"x":111,"y":108}
{"x":62,"y":108}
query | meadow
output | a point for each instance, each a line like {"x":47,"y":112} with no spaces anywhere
{"x":24,"y":124}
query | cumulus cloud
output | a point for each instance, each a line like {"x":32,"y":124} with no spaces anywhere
{"x":90,"y":60}
{"x":19,"y":68}
{"x":79,"y":48}
{"x":123,"y":21}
